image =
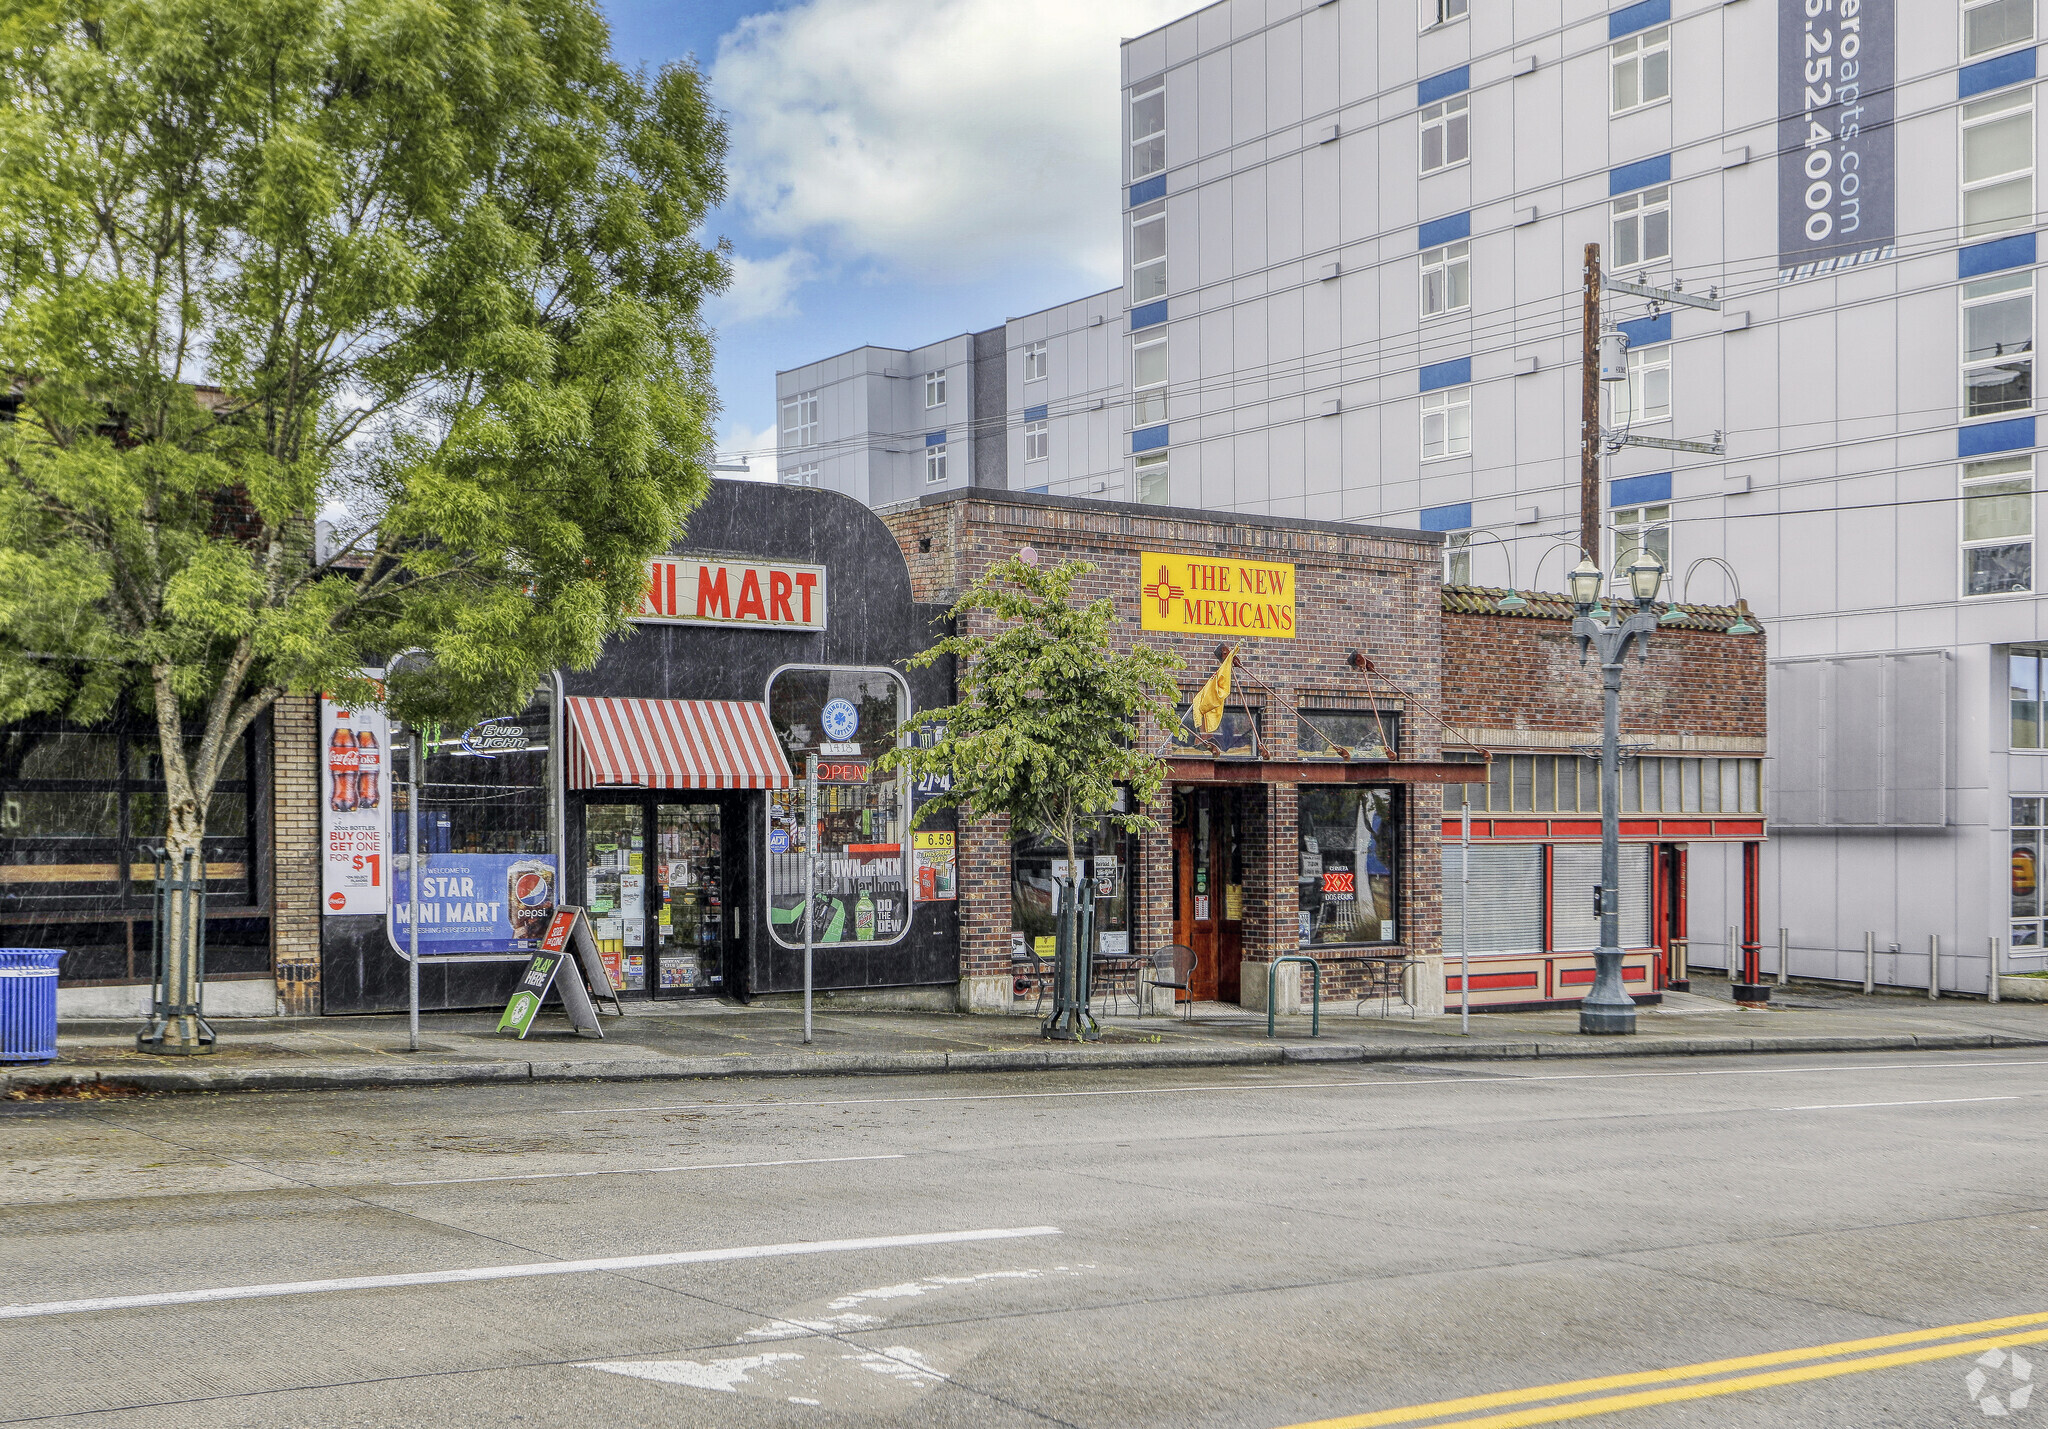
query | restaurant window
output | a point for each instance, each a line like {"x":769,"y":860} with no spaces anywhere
{"x":1107,"y":854}
{"x":1367,"y":734}
{"x":81,"y":816}
{"x":2026,"y":871}
{"x":1350,"y":841}
{"x":847,"y":717}
{"x":1239,"y":734}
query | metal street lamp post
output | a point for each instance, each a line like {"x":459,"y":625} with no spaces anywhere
{"x":1608,"y":1010}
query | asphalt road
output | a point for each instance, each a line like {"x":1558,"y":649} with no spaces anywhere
{"x":1264,"y":1248}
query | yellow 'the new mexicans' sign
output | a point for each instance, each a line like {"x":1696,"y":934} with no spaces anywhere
{"x":1204,"y":595}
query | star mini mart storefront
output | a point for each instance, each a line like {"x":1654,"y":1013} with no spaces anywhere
{"x":659,"y":790}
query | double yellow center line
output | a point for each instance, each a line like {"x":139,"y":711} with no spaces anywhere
{"x":1706,"y":1380}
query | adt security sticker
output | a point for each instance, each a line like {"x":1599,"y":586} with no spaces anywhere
{"x":840,"y":719}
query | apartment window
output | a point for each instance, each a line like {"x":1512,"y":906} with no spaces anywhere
{"x":1642,"y":228}
{"x":1148,"y":382}
{"x":1458,"y":558}
{"x":1638,"y":529}
{"x":1998,"y":345}
{"x":1998,"y":526}
{"x":801,"y":475}
{"x":1148,"y":252}
{"x":1035,"y":440}
{"x":800,"y":420}
{"x":1148,"y":132}
{"x":1994,"y":24}
{"x":1152,"y":479}
{"x":1640,"y":68}
{"x":1998,"y":163}
{"x":1646,"y":396}
{"x":935,"y":465}
{"x":1034,"y":361}
{"x":935,"y":389}
{"x":1446,"y":423}
{"x":2025,"y":668}
{"x":1446,"y":279}
{"x":2027,"y":834}
{"x":1442,"y":12}
{"x":1444,"y":133}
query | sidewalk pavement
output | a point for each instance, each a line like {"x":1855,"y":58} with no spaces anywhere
{"x":712,"y":1039}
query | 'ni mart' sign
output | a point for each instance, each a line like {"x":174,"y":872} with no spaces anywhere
{"x":1835,"y":206}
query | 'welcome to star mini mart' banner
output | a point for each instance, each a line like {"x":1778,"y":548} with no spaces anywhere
{"x":1206,"y":595}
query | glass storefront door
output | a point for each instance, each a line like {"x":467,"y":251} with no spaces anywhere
{"x":657,"y":888}
{"x":687,"y":901}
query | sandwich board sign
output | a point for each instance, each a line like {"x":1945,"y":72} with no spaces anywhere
{"x":567,"y":963}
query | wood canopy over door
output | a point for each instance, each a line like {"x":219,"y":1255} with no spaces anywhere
{"x":1208,"y":885}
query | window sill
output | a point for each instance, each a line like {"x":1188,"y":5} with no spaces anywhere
{"x":1663,"y":103}
{"x":1444,"y":169}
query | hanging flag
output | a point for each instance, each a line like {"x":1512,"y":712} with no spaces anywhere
{"x":1207,"y":708}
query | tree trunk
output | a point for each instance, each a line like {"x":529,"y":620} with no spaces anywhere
{"x":178,"y":887}
{"x":1070,"y":1016}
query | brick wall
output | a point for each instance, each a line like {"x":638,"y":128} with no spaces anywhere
{"x":1519,"y":674}
{"x":295,"y":852}
{"x":1358,"y":588}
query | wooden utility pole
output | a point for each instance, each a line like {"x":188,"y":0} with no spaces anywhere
{"x":1589,"y":411}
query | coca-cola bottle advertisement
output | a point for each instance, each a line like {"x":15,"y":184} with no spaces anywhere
{"x":356,"y":872}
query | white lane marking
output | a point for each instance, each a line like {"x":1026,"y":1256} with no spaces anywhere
{"x":515,"y":1272}
{"x":1504,"y":1079}
{"x":1857,"y":1106}
{"x":653,"y":1170}
{"x":724,"y":1375}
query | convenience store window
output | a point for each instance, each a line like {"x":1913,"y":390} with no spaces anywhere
{"x":847,"y":717}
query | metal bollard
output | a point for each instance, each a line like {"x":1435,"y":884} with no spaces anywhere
{"x":1784,"y":948}
{"x":1934,"y":967}
{"x":1994,"y":968}
{"x":1870,"y":962}
{"x":1734,"y":956}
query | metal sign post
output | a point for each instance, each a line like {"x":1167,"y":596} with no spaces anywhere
{"x":412,"y":868}
{"x":810,"y":877}
{"x":1465,"y":914}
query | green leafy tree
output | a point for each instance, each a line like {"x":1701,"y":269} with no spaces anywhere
{"x":434,"y":264}
{"x":1051,"y":720}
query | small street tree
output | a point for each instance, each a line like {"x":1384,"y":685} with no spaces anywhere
{"x":435,"y":266}
{"x":1051,"y":720}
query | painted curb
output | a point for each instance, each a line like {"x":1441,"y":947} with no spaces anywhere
{"x":1029,"y":1059}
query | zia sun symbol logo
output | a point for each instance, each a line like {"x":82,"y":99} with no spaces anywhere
{"x":1165,"y":592}
{"x":2006,"y":1388}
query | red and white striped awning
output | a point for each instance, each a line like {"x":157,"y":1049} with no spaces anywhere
{"x":673,"y":744}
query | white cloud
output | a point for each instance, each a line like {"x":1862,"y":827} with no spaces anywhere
{"x":738,"y":442}
{"x":943,"y":138}
{"x":763,"y":287}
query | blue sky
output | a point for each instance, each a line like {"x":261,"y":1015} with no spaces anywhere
{"x":901,"y":170}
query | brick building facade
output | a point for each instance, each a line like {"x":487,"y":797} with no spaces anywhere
{"x":1356,"y":590}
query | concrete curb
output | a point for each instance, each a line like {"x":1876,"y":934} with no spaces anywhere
{"x":1023,"y":1059}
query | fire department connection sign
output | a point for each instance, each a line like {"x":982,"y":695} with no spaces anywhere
{"x":775,"y":594}
{"x":355,"y":810}
{"x":1202,"y":595}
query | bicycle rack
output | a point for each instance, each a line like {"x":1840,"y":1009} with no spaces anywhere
{"x":1315,"y":1017}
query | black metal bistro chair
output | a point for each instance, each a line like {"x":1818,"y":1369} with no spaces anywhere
{"x":1027,"y":967}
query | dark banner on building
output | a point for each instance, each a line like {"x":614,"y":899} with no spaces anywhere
{"x":1835,"y":206}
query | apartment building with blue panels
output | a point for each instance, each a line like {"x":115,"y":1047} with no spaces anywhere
{"x":1355,"y":234}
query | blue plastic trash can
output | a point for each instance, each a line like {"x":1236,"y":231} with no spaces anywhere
{"x":28,"y":1004}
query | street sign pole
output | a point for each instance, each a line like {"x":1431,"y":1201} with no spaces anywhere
{"x":810,"y":878}
{"x":412,"y":848}
{"x":1465,"y":914}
